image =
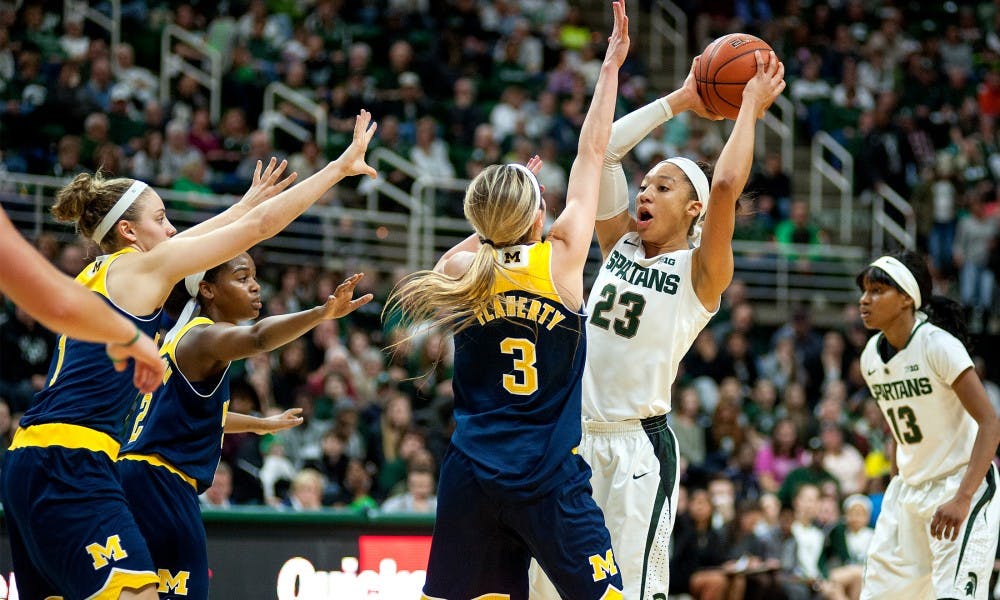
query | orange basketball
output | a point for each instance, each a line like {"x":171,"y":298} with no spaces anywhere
{"x":726,"y":65}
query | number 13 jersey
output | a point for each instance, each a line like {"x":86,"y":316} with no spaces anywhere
{"x":934,"y":433}
{"x":517,"y":379}
{"x":643,"y":317}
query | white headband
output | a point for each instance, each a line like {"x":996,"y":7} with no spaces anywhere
{"x":191,"y":285}
{"x":534,"y":182}
{"x":116,"y":212}
{"x":898,"y":272}
{"x":700,"y":182}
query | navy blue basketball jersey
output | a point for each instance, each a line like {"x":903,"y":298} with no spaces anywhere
{"x":83,"y":387}
{"x":179,"y":426}
{"x":517,"y":378}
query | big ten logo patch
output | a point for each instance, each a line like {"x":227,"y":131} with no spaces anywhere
{"x":103,"y":553}
{"x":173,"y":583}
{"x":603,"y":566}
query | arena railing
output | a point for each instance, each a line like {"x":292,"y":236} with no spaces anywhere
{"x":273,"y":118}
{"x":112,"y":24}
{"x":172,"y":64}
{"x":840,"y":174}
{"x":883,"y":223}
{"x":668,"y":26}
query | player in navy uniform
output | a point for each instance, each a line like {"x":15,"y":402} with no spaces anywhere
{"x":936,"y":536}
{"x":58,"y":303}
{"x":71,"y":531}
{"x":511,"y":485}
{"x":164,"y":467}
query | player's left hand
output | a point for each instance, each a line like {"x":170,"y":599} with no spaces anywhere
{"x":286,"y":420}
{"x":948,"y":518}
{"x":342,"y":301}
{"x":266,"y":184}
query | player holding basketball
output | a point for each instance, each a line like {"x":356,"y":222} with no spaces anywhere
{"x":71,"y":531}
{"x":164,"y":467}
{"x":936,"y":535}
{"x":511,"y":486}
{"x":663,"y":276}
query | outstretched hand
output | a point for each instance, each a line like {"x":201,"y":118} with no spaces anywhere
{"x":618,"y":43}
{"x":149,"y":367}
{"x":275,"y":423}
{"x":534,"y":165}
{"x":353,"y":158}
{"x":767,"y":84}
{"x":695,"y":103}
{"x":342,"y":301}
{"x":266,"y":184}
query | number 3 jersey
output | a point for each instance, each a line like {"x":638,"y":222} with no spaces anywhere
{"x":934,"y":433}
{"x":643,"y":317}
{"x":517,"y":379}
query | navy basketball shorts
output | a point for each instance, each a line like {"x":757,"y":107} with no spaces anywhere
{"x":484,"y":540}
{"x":71,"y":531}
{"x":169,"y":517}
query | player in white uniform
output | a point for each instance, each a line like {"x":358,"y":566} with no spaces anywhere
{"x":936,"y":536}
{"x":663,"y":276}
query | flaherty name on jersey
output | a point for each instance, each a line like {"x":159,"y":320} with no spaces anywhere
{"x":900,"y":390}
{"x":647,"y":277}
{"x":513,"y":306}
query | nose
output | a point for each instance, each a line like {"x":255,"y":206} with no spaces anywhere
{"x":254,"y":285}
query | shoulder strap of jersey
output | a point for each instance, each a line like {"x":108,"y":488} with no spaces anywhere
{"x":95,"y":276}
{"x":170,"y":345}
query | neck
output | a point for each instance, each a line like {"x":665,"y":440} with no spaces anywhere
{"x":898,"y":332}
{"x":673,"y":245}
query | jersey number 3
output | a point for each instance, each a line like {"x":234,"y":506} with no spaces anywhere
{"x":526,"y":380}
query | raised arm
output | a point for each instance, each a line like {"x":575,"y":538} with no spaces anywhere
{"x":62,"y":305}
{"x":713,"y":260}
{"x":204,"y":349}
{"x":240,"y":423}
{"x":266,"y":184}
{"x":613,"y":218}
{"x":573,"y":231}
{"x":156,"y":271}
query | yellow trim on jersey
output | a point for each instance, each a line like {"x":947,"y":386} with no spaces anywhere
{"x":65,"y":435}
{"x":121,"y":579}
{"x":61,"y":351}
{"x":532,"y":273}
{"x":171,"y":347}
{"x":95,"y":276}
{"x":156,"y":461}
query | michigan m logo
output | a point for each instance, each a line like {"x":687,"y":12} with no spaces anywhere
{"x":111,"y":550}
{"x":173,"y":583}
{"x":512,"y":257}
{"x":603,"y":566}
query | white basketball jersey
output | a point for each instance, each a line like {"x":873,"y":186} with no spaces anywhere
{"x":643,"y":317}
{"x":934,"y":433}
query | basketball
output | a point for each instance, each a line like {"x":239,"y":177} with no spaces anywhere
{"x":726,"y":65}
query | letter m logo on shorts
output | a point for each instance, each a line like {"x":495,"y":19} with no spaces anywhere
{"x":603,"y":566}
{"x":173,"y":583}
{"x":110,"y":550}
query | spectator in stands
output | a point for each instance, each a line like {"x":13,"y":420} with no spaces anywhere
{"x":842,"y":460}
{"x":419,"y":497}
{"x":219,"y":495}
{"x":27,"y":347}
{"x":699,"y":551}
{"x":779,"y":456}
{"x":307,"y":491}
{"x":307,"y":160}
{"x":760,"y":412}
{"x":73,"y":43}
{"x":124,"y":124}
{"x":688,"y":426}
{"x":141,"y":82}
{"x":812,"y":473}
{"x":802,"y":554}
{"x":304,"y":443}
{"x":68,"y":159}
{"x":276,"y":472}
{"x":177,"y":152}
{"x":430,"y":153}
{"x":6,"y":430}
{"x":145,"y":163}
{"x":973,"y":236}
{"x":357,"y":484}
{"x":848,"y":544}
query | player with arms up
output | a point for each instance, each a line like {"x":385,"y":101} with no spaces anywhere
{"x":662,"y":280}
{"x":164,"y":467}
{"x":71,"y":531}
{"x":511,"y":485}
{"x":936,"y":535}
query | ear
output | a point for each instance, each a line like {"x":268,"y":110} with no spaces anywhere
{"x":205,"y":290}
{"x":694,"y":208}
{"x":126,"y":231}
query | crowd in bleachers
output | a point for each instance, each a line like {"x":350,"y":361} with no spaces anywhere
{"x":779,"y":440}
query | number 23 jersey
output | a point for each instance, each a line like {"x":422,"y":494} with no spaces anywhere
{"x":643,"y":317}
{"x":934,"y":433}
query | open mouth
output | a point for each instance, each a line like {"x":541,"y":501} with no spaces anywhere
{"x":643,"y":216}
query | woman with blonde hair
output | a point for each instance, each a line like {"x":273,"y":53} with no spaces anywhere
{"x":510,"y":480}
{"x":71,"y":531}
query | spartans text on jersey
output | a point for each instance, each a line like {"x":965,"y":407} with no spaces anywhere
{"x":647,"y":277}
{"x":899,"y":390}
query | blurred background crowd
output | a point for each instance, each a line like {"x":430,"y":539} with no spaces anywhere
{"x":779,"y":439}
